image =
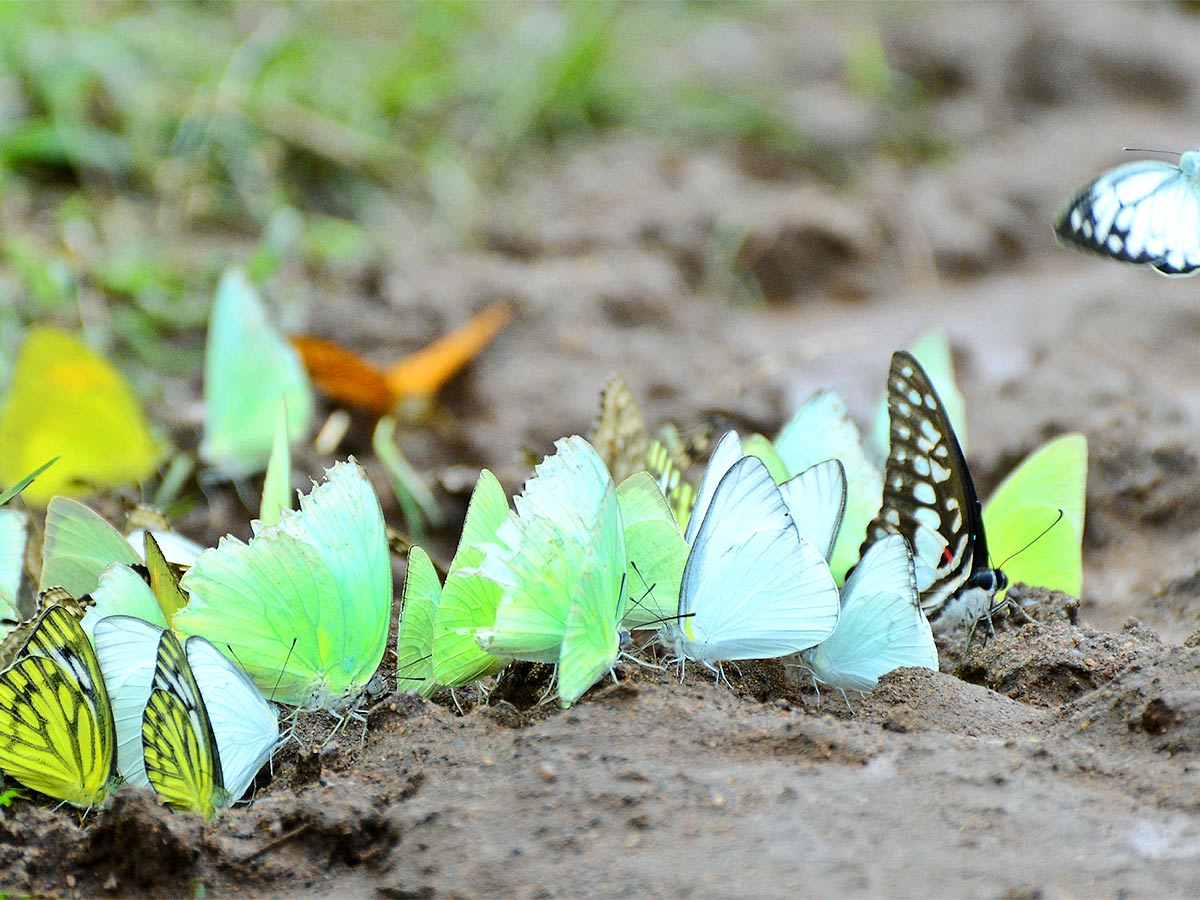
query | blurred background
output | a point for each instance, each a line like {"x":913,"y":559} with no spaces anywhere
{"x":729,"y":204}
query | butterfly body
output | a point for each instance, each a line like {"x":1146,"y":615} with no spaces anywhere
{"x":1145,"y":212}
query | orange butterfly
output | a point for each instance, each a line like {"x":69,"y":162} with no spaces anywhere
{"x":349,"y":379}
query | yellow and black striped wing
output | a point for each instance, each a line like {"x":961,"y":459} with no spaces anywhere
{"x":164,"y":578}
{"x":680,"y":493}
{"x":177,"y":739}
{"x":57,"y":733}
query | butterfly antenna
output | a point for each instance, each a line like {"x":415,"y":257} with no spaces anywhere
{"x":1150,"y":150}
{"x":282,"y":669}
{"x":1040,"y":535}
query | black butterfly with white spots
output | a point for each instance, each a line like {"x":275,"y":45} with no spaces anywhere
{"x":1145,"y":212}
{"x":928,"y":497}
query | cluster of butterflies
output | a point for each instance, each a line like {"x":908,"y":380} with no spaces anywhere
{"x":157,"y":671}
{"x":167,"y":668}
{"x":163,"y":668}
{"x":751,"y":570}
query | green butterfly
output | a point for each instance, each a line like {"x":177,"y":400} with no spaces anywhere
{"x":249,"y":371}
{"x":1027,"y":503}
{"x":468,"y":601}
{"x":560,"y":562}
{"x":79,"y":545}
{"x":304,"y":607}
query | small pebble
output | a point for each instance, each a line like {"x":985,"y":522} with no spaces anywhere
{"x":546,"y":773}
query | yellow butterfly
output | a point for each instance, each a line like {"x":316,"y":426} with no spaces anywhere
{"x":180,"y":749}
{"x":57,"y":733}
{"x":66,"y":400}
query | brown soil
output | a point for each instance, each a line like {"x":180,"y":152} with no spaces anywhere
{"x":1056,"y":760}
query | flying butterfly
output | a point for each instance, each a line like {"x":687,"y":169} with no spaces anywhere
{"x":928,"y":497}
{"x":1145,"y":212}
{"x":58,"y":735}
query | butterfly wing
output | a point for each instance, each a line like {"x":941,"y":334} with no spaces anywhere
{"x":249,"y":370}
{"x":123,"y":592}
{"x":727,"y":452}
{"x":1027,"y":503}
{"x":668,"y":475}
{"x":932,"y":351}
{"x":1145,"y":212}
{"x":304,"y":607}
{"x":753,"y":588}
{"x":821,"y":429}
{"x":655,"y":549}
{"x":928,"y":495}
{"x":67,"y":400}
{"x":816,"y":499}
{"x":881,"y":627}
{"x":414,"y":640}
{"x":127,"y":650}
{"x":177,"y":738}
{"x":59,"y":736}
{"x":78,"y":547}
{"x":540,"y":550}
{"x":468,"y":600}
{"x":164,"y":581}
{"x":14,"y":528}
{"x":591,"y":642}
{"x":245,"y":725}
{"x":619,"y":433}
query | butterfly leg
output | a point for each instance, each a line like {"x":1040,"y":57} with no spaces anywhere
{"x":847,"y":699}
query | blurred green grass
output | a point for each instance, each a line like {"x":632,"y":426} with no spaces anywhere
{"x":141,"y":144}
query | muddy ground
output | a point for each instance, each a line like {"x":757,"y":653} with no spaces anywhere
{"x":1057,"y":760}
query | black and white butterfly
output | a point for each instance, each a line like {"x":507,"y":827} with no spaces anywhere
{"x":1145,"y":212}
{"x":928,"y":497}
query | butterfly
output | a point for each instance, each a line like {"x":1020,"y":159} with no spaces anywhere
{"x":753,"y":587}
{"x":822,"y":429}
{"x":18,"y":636}
{"x":620,"y":436}
{"x":78,"y":546}
{"x":304,"y":607}
{"x":560,"y":561}
{"x":1145,"y":212}
{"x":881,"y":626}
{"x":1035,"y":517}
{"x":189,"y":723}
{"x":249,"y":372}
{"x":67,"y":400}
{"x":14,"y":530}
{"x":57,"y":725}
{"x":414,"y":635}
{"x":468,"y":601}
{"x":347,"y":378}
{"x":929,"y":497}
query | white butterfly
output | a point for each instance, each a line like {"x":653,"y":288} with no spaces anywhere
{"x":881,"y":626}
{"x":1145,"y":212}
{"x":244,"y":725}
{"x":753,"y":587}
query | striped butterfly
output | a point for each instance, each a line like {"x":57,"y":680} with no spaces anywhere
{"x":57,"y":733}
{"x":189,"y":722}
{"x":928,"y":497}
{"x":1145,"y":212}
